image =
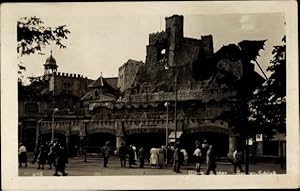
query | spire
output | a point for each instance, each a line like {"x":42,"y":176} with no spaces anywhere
{"x":50,"y":64}
{"x":101,"y":80}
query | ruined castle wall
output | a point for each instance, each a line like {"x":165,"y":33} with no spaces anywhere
{"x":187,"y":54}
{"x":127,"y":73}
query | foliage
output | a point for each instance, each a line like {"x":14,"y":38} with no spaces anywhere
{"x":33,"y":36}
{"x":268,"y":106}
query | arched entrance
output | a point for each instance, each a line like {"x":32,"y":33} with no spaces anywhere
{"x":74,"y":145}
{"x":97,"y":140}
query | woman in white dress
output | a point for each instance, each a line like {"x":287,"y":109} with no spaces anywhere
{"x":154,"y":157}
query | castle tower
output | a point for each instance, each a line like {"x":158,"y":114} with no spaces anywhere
{"x":174,"y":29}
{"x":50,"y":65}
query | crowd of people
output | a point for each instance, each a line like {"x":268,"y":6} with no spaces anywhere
{"x":53,"y":153}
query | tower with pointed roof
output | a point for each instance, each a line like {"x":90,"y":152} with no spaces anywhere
{"x":50,"y":65}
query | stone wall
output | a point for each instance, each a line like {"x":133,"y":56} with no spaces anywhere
{"x":73,"y":84}
{"x":127,"y":73}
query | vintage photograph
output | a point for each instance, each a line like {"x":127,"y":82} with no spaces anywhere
{"x":172,"y":93}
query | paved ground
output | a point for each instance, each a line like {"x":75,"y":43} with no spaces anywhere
{"x":94,"y":167}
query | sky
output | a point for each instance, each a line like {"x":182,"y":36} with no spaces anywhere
{"x":101,"y":41}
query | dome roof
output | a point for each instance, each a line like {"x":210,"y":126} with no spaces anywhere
{"x":50,"y":61}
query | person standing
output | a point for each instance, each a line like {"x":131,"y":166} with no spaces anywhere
{"x":197,"y":154}
{"x":122,"y":155}
{"x":135,"y":155}
{"x":170,"y":153}
{"x":142,"y":157}
{"x":237,"y":158}
{"x":105,"y":153}
{"x":60,"y":159}
{"x":204,"y":148}
{"x":211,"y":160}
{"x":154,"y":157}
{"x":22,"y":155}
{"x":161,"y":157}
{"x":131,"y":156}
{"x":185,"y":156}
{"x":177,"y":158}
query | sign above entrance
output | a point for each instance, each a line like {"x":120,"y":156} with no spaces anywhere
{"x":172,"y":136}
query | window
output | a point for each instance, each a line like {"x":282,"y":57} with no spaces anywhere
{"x":161,"y":55}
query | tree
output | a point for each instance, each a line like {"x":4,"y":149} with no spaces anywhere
{"x":33,"y":36}
{"x":268,"y":106}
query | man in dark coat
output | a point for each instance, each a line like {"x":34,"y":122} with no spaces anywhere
{"x":131,"y":156}
{"x":105,"y":153}
{"x":51,"y":154}
{"x":177,"y":158}
{"x":122,"y":155}
{"x":142,"y":157}
{"x":60,"y":159}
{"x":211,"y":160}
{"x":42,"y":157}
{"x":237,"y":158}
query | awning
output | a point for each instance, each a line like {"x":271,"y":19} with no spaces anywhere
{"x":278,"y":137}
{"x":172,"y":136}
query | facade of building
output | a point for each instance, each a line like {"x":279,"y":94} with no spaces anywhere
{"x":206,"y":87}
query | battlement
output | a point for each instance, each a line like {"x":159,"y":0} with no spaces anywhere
{"x":69,"y":75}
{"x":158,"y":37}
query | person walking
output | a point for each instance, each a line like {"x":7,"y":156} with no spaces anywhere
{"x":35,"y":154}
{"x":22,"y":155}
{"x":60,"y":159}
{"x":177,"y":158}
{"x":197,"y":154}
{"x":51,"y":155}
{"x":122,"y":155}
{"x":161,"y":157}
{"x":42,"y":157}
{"x":105,"y":153}
{"x":142,"y":156}
{"x":211,"y":160}
{"x":237,"y":158}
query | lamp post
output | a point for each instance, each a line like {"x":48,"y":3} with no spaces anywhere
{"x":52,"y":124}
{"x":175,"y":107}
{"x":167,"y":121}
{"x":175,"y":102}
